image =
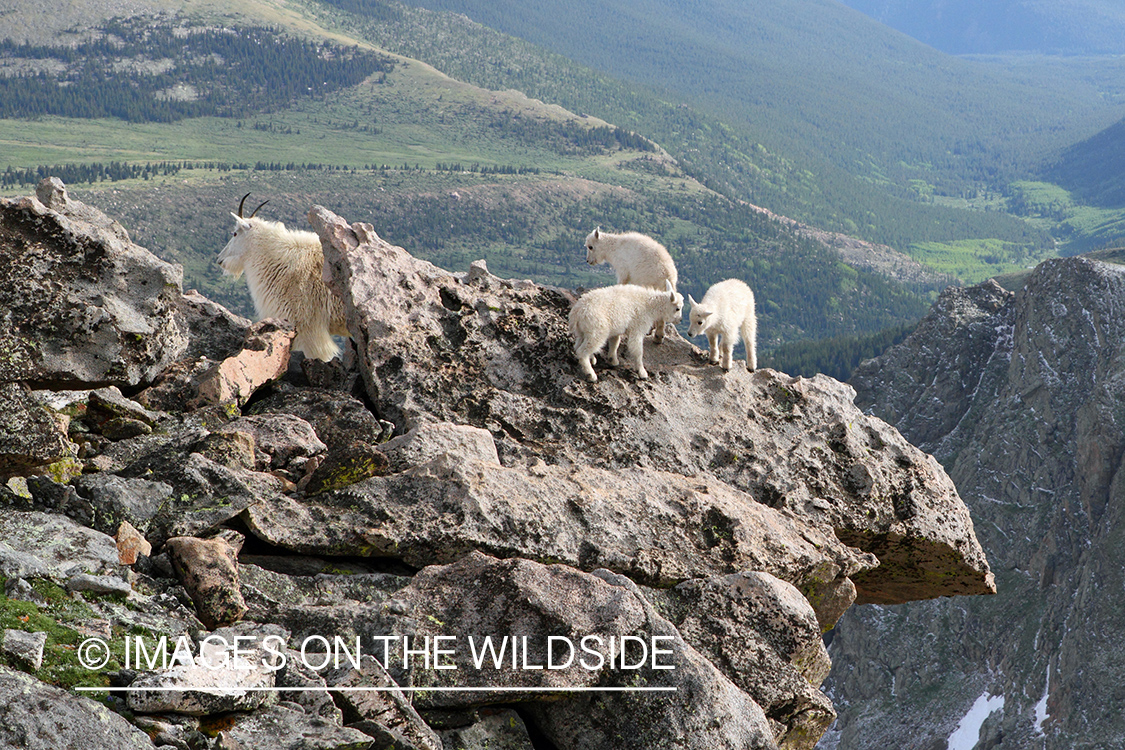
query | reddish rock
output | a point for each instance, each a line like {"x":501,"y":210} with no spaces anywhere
{"x":265,"y":358}
{"x":131,"y":544}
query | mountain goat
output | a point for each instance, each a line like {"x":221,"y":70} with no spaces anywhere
{"x":607,"y":314}
{"x":283,"y":270}
{"x":726,"y":310}
{"x":636,"y":258}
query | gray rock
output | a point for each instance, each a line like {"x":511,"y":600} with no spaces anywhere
{"x":99,"y":584}
{"x":297,"y":674}
{"x":481,"y":351}
{"x":288,"y":728}
{"x":707,"y":711}
{"x":214,"y":332}
{"x":386,"y":714}
{"x":205,"y":494}
{"x":123,"y":428}
{"x":338,"y":419}
{"x":38,"y":545}
{"x":500,"y":730}
{"x":657,"y":527}
{"x":21,"y":590}
{"x":107,"y":403}
{"x":170,"y":730}
{"x":30,"y":437}
{"x":282,"y":437}
{"x":481,"y":595}
{"x":83,"y":306}
{"x":430,"y":440}
{"x":344,"y":467}
{"x":24,"y":647}
{"x":114,"y":500}
{"x":763,"y":634}
{"x":35,"y":716}
{"x":218,"y":680}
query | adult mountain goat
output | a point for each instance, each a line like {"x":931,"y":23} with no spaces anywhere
{"x":636,"y":258}
{"x":612,"y":312}
{"x":726,"y":310}
{"x":283,"y":270}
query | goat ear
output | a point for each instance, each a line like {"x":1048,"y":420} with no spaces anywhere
{"x":691,"y":300}
{"x":703,"y":313}
{"x":668,"y":286}
{"x":597,"y":232}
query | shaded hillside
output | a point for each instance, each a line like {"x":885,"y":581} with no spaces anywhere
{"x":817,"y":81}
{"x":773,"y":162}
{"x":1094,"y":170}
{"x":959,"y":27}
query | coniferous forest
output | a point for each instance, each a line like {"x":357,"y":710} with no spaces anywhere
{"x":138,"y":72}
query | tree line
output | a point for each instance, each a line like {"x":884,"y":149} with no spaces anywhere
{"x":140,"y":73}
{"x":114,"y":171}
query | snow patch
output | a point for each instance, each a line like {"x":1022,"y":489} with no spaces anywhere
{"x":1041,"y":706}
{"x":967,"y":733}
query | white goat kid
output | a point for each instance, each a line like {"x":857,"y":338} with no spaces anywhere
{"x":612,"y":312}
{"x":726,"y":310}
{"x":637,"y":259}
{"x":283,"y":270}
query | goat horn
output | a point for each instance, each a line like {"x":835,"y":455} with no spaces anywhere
{"x":241,"y":203}
{"x":256,"y":209}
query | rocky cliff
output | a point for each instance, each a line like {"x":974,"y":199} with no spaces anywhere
{"x":451,"y":484}
{"x":1021,"y":396}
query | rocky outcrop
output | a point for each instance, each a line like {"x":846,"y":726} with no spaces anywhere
{"x":82,"y":305}
{"x":650,"y":564}
{"x":476,"y":350}
{"x":1022,"y":397}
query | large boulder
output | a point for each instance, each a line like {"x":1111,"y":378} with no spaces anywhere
{"x":473,"y":349}
{"x":83,"y":306}
{"x":657,"y":527}
{"x":35,"y":716}
{"x":43,"y":545}
{"x":30,"y":436}
{"x":524,"y":608}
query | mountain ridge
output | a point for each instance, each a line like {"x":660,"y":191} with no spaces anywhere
{"x":962,"y":27}
{"x":1019,"y":395}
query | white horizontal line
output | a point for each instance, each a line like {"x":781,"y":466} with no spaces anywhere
{"x":344,"y":689}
